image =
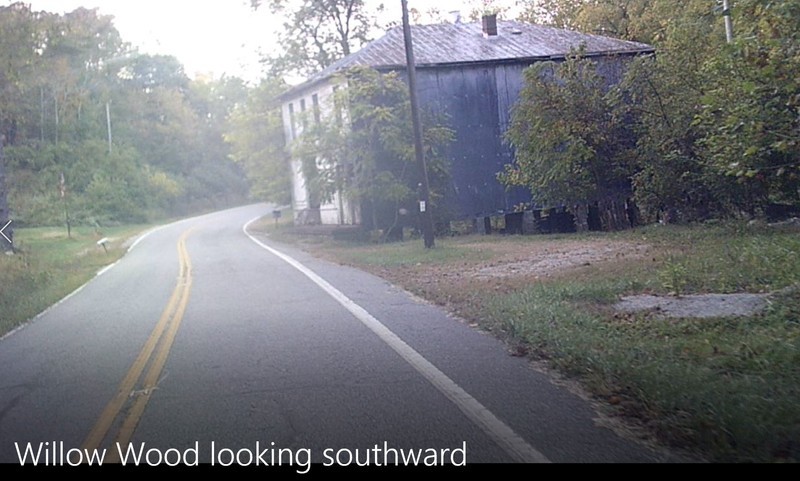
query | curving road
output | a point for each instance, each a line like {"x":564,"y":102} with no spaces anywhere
{"x":205,"y":343}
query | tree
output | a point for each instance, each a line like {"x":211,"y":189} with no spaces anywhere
{"x":64,"y":79}
{"x":555,"y":13}
{"x":20,"y":40}
{"x":149,"y":72}
{"x":17,"y":53}
{"x":255,"y":134}
{"x":751,"y":116}
{"x":715,"y":124}
{"x":571,"y":148}
{"x":637,"y":20}
{"x":712,"y":119}
{"x":75,"y":48}
{"x":364,"y":150}
{"x":316,"y":33}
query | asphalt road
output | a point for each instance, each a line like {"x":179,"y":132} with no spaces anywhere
{"x":205,"y":344}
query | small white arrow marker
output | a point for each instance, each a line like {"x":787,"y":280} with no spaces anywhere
{"x":3,"y":233}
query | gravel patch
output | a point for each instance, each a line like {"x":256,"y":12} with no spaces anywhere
{"x":552,"y":259}
{"x":696,"y":306}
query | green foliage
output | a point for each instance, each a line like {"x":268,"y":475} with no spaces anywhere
{"x":644,"y":21}
{"x":725,"y":388}
{"x":255,"y":133}
{"x":316,"y":33}
{"x":660,"y":97}
{"x":556,"y":13}
{"x":63,"y":79}
{"x":673,"y":277}
{"x":570,"y":146}
{"x":365,"y":149}
{"x":716,"y":125}
{"x":751,"y":117}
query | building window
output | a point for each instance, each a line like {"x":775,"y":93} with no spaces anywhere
{"x":292,"y":129}
{"x":337,"y":105}
{"x":315,"y":105}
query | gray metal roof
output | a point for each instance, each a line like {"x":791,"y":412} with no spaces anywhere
{"x":461,"y":43}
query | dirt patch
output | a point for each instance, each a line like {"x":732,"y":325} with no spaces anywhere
{"x":513,"y":264}
{"x":697,"y":306}
{"x":508,"y":265}
{"x":546,"y":259}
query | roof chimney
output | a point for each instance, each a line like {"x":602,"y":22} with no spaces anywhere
{"x":456,"y":16}
{"x":490,"y":25}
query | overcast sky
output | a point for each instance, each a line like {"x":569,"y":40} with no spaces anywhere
{"x":208,"y":36}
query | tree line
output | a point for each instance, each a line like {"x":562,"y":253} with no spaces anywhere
{"x":96,"y":132}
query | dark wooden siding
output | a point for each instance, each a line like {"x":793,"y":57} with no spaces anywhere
{"x":477,"y":102}
{"x":474,"y":101}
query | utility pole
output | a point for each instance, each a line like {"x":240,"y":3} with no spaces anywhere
{"x":424,"y":201}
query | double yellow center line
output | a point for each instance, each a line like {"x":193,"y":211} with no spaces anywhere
{"x":134,"y":391}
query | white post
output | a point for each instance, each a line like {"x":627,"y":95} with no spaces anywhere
{"x":108,"y":124}
{"x":726,"y":13}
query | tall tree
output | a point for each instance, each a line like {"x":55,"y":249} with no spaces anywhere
{"x":17,"y":56}
{"x":20,"y":44}
{"x":318,"y":32}
{"x":255,"y":134}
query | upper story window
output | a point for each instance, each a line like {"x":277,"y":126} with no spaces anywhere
{"x":337,"y":105}
{"x":292,"y":122}
{"x":315,"y":106}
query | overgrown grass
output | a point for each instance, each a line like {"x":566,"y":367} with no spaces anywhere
{"x":49,"y":265}
{"x":726,"y":388}
{"x":730,"y":258}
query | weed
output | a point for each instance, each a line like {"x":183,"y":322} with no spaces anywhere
{"x":673,"y":276}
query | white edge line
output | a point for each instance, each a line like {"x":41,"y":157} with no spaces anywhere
{"x":514,"y":445}
{"x":142,"y":237}
{"x":105,"y":269}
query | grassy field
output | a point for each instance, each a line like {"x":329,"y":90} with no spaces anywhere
{"x":726,"y":389}
{"x":49,"y":265}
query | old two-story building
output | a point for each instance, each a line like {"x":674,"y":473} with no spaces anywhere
{"x":471,"y":75}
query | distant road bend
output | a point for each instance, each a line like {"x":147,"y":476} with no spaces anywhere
{"x":209,"y":343}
